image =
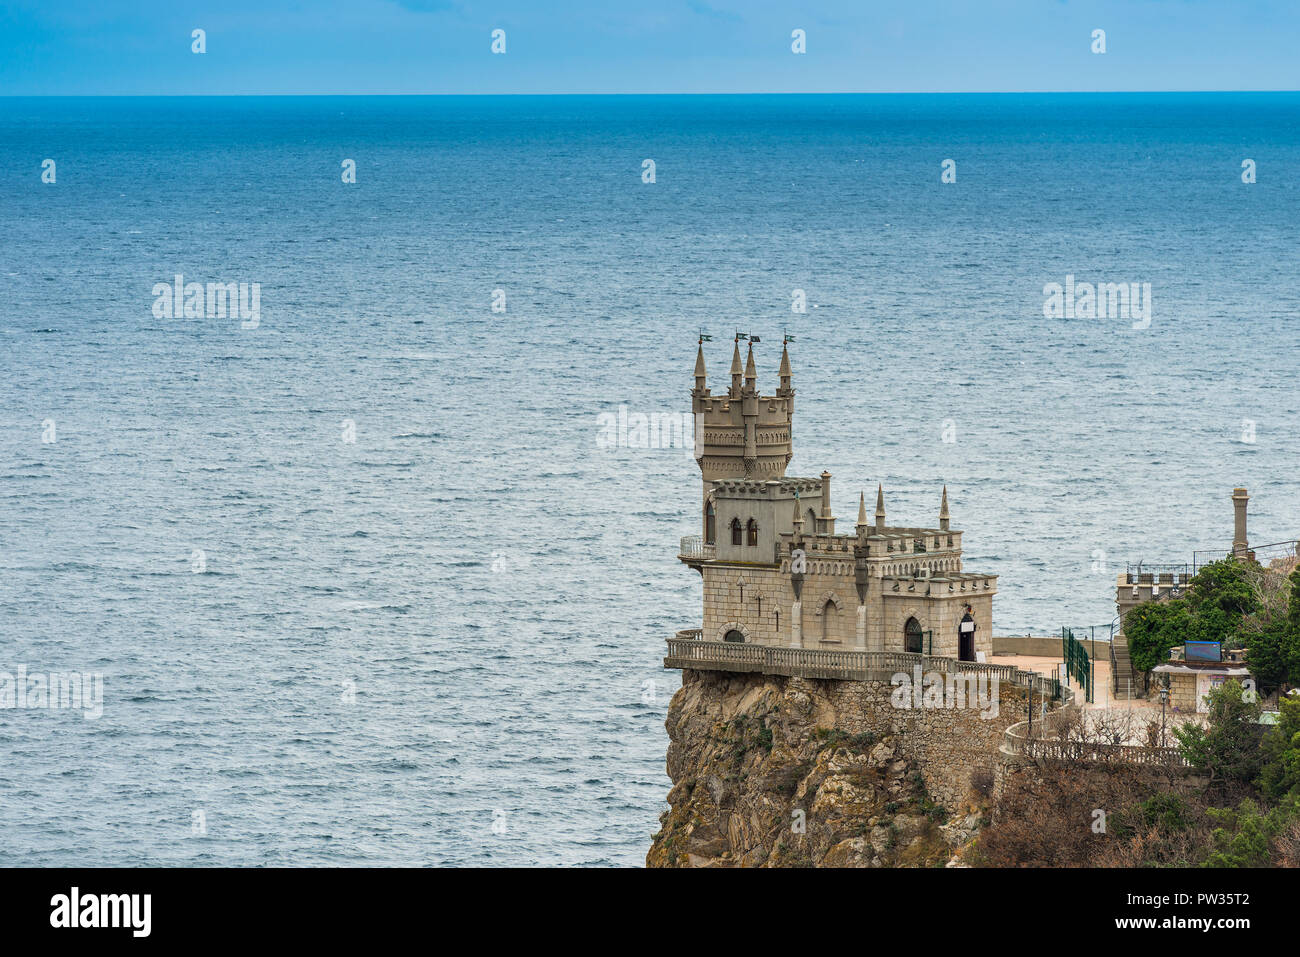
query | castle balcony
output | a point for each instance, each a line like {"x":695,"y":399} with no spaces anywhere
{"x":687,"y":650}
{"x":694,"y":549}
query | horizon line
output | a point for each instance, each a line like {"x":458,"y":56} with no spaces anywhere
{"x":56,"y":96}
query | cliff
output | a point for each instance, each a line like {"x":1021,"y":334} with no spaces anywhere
{"x":792,"y":772}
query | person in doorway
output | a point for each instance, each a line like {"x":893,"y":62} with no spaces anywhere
{"x":966,"y":636}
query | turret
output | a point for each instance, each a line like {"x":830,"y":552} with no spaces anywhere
{"x":701,"y":385}
{"x":880,"y":509}
{"x":749,"y":410}
{"x":786,"y":379}
{"x":735,"y":371}
{"x":826,"y":522}
{"x":861,"y":550}
{"x":798,"y":563}
{"x":943,"y":511}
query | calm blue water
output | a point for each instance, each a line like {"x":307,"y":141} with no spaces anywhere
{"x":494,"y":586}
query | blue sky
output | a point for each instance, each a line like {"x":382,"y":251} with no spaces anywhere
{"x":653,"y":46}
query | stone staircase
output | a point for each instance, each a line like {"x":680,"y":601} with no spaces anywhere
{"x":1123,"y":678}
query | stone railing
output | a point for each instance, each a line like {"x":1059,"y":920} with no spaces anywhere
{"x":687,"y":650}
{"x":1047,"y":746}
{"x":694,"y":547}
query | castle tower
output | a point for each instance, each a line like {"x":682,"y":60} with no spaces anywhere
{"x":744,"y":434}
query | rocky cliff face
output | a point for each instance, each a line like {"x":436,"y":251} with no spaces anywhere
{"x":773,"y":771}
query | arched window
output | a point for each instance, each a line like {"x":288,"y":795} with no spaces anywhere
{"x":710,"y":525}
{"x":733,"y":636}
{"x":830,"y":621}
{"x":752,"y":529}
{"x":735,"y":531}
{"x":812,"y":522}
{"x":912,"y":637}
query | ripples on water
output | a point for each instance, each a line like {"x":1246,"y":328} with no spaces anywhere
{"x":496,"y":587}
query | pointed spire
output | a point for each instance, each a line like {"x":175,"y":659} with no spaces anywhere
{"x":751,"y":374}
{"x":735,"y":370}
{"x":943,"y":511}
{"x":880,"y":508}
{"x":862,"y":508}
{"x":785,"y":370}
{"x":700,"y":378}
{"x":798,"y":519}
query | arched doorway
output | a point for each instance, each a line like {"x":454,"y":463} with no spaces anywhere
{"x":733,"y":636}
{"x":912,"y":637}
{"x":966,"y":636}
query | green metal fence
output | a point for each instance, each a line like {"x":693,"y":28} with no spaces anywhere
{"x":1077,"y":663}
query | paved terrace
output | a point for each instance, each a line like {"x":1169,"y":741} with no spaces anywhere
{"x":688,"y":650}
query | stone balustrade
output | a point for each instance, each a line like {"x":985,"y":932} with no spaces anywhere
{"x":1047,"y":746}
{"x":694,"y":547}
{"x":688,"y":650}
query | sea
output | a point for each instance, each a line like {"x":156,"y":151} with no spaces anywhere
{"x":372,"y":573}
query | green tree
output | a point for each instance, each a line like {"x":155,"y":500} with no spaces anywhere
{"x":1242,"y":838}
{"x":1271,"y":636}
{"x":1272,"y":652}
{"x":1152,"y":628}
{"x":1227,"y":745}
{"x":1280,"y":752}
{"x":1245,"y":837}
{"x":1220,"y":594}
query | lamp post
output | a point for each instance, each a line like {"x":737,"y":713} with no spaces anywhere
{"x":1030,"y":737}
